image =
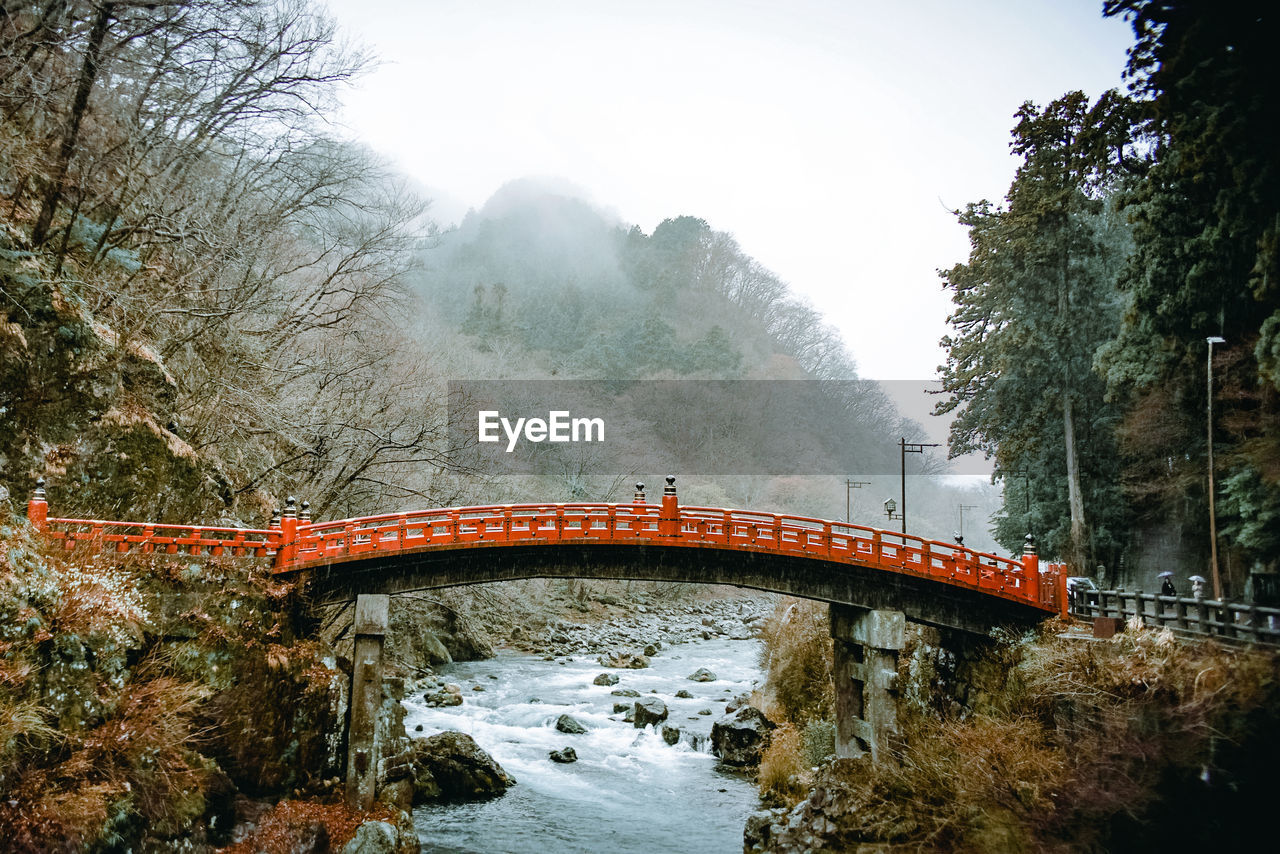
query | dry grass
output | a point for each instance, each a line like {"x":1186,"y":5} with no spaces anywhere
{"x":784,"y":775}
{"x":796,"y":657}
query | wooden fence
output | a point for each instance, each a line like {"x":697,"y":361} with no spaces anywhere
{"x":1230,"y":621}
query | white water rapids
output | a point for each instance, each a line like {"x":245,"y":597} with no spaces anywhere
{"x":629,"y":791}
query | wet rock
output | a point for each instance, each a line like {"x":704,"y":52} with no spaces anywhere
{"x":651,"y":650}
{"x":650,"y":710}
{"x":625,"y":692}
{"x":605,"y":679}
{"x":760,"y":829}
{"x":702,"y":674}
{"x":684,"y":694}
{"x":619,"y":708}
{"x":373,"y":837}
{"x":454,"y":767}
{"x":704,"y":711}
{"x":670,"y":734}
{"x":564,"y":756}
{"x":568,"y":724}
{"x":738,"y":738}
{"x":398,"y":794}
{"x":624,"y":659}
{"x":443,"y":698}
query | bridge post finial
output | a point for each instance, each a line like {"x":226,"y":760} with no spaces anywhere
{"x":1031,"y":569}
{"x":639,"y":497}
{"x":275,"y":518}
{"x":669,"y":520}
{"x":38,"y":507}
{"x":305,"y":515}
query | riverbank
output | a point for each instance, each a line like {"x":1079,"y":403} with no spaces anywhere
{"x":1061,"y":743}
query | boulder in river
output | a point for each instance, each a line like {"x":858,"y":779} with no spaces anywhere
{"x":605,"y":679}
{"x":624,"y":659}
{"x":684,"y":694}
{"x":670,"y":734}
{"x":451,"y":766}
{"x":738,"y":739}
{"x":625,"y":692}
{"x":649,"y":710}
{"x":570,"y":725}
{"x":564,"y":756}
{"x":702,"y":674}
{"x":619,"y":708}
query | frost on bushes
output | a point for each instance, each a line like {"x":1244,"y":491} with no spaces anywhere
{"x":113,"y":683}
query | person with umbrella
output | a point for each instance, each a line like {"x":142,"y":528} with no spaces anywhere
{"x":1166,"y":584}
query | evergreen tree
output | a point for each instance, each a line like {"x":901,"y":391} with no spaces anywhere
{"x":1033,"y":303}
{"x":1207,"y":252}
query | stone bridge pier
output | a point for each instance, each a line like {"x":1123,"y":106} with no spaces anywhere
{"x":866,"y":646}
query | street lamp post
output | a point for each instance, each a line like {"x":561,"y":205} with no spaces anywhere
{"x":849,"y":487}
{"x":909,"y":448}
{"x":1213,"y":522}
{"x":891,"y":509}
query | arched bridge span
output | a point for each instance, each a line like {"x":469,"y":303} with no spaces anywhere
{"x":930,"y":581}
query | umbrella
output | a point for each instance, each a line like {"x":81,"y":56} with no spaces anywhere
{"x":1199,"y":578}
{"x":1165,"y":575}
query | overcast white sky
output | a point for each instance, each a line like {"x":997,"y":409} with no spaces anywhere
{"x":830,"y":137}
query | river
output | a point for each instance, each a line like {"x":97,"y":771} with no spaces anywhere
{"x":629,"y":791}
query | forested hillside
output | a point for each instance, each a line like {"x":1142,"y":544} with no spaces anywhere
{"x":211,"y":301}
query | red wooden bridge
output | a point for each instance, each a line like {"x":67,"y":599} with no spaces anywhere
{"x":816,"y":558}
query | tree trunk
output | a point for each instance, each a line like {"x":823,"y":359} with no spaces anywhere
{"x":1075,"y":498}
{"x":1079,"y":558}
{"x":71,"y":133}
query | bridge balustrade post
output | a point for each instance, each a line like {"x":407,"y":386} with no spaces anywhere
{"x":865,"y":673}
{"x":669,"y":520}
{"x":38,"y":507}
{"x":639,"y":496}
{"x":1031,"y":570}
{"x":288,"y":550}
{"x":370,"y":627}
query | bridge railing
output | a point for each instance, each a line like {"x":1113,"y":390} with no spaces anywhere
{"x":154,"y":538}
{"x":295,"y":543}
{"x":841,"y":541}
{"x":471,"y":525}
{"x":693,"y":526}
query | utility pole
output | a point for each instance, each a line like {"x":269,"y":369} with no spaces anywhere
{"x":909,"y":448}
{"x":849,"y":486}
{"x":964,"y":507}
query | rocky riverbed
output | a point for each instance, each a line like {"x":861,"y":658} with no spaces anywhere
{"x":606,"y":726}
